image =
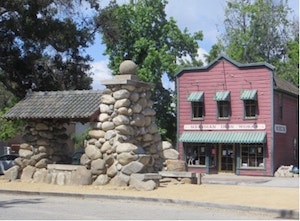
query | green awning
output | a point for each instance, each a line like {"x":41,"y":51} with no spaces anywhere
{"x":249,"y":95}
{"x":195,"y":96}
{"x":223,"y":137}
{"x":222,"y":96}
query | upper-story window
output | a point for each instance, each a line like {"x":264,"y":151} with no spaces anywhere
{"x":223,"y":104}
{"x":250,"y":103}
{"x":197,"y":105}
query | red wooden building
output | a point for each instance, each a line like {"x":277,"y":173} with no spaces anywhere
{"x":236,"y":118}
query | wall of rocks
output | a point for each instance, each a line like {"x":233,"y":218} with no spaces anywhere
{"x":65,"y":174}
{"x":45,"y":143}
{"x":123,"y":142}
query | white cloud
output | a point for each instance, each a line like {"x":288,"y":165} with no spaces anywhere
{"x":101,"y":72}
{"x":198,"y":16}
{"x":201,"y":55}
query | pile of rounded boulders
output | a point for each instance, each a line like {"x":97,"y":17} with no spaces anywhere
{"x":123,"y":142}
{"x":125,"y":139}
{"x":173,"y":164}
{"x":285,"y":171}
{"x":171,"y":156}
{"x":45,"y":143}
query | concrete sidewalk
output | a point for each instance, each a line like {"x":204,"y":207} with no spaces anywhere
{"x":231,"y":179}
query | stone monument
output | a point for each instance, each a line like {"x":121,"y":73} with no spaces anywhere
{"x":125,"y":140}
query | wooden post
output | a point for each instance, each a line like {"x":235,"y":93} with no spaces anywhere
{"x":199,"y":176}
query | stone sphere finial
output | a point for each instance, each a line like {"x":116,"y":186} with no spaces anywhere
{"x":128,"y":67}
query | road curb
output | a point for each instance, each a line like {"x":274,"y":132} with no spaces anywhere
{"x":280,"y":213}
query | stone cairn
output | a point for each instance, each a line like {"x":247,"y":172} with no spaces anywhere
{"x":125,"y":140}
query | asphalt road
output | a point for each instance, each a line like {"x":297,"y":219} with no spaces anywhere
{"x":25,"y":207}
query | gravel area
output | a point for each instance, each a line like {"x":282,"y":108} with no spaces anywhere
{"x":254,"y":196}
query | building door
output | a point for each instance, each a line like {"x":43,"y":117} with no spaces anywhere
{"x":227,"y":158}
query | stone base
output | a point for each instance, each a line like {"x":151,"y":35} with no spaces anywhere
{"x":186,"y":177}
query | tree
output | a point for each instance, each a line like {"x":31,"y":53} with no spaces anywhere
{"x":141,"y":32}
{"x":214,"y":52}
{"x":8,"y":129}
{"x":42,"y":48}
{"x":258,"y":31}
{"x":288,"y":68}
{"x":42,"y":44}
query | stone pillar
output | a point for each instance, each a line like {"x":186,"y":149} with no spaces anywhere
{"x":45,"y":142}
{"x":125,"y":140}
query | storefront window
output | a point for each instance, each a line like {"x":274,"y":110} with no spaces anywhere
{"x":195,"y":154}
{"x":252,"y":156}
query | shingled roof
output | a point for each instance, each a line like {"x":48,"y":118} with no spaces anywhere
{"x":81,"y":105}
{"x":285,"y":86}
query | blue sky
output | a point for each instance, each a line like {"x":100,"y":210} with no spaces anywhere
{"x":195,"y":15}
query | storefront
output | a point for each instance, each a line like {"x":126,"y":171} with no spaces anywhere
{"x":236,"y":118}
{"x":224,"y":152}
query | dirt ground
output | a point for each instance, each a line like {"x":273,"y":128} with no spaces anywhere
{"x":254,"y":196}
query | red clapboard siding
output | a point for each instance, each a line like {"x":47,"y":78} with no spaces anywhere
{"x":284,"y":151}
{"x":225,"y":76}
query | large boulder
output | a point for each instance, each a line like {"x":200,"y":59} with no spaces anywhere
{"x":126,"y":158}
{"x":122,"y":103}
{"x":126,"y":147}
{"x":102,"y":179}
{"x":133,"y":167}
{"x":166,"y":145}
{"x":42,"y":163}
{"x":81,"y":176}
{"x":112,"y":170}
{"x":93,"y":152}
{"x":107,"y":125}
{"x":12,"y":173}
{"x":96,"y":133}
{"x":25,"y":153}
{"x":141,"y":185}
{"x":121,"y":94}
{"x":176,"y":165}
{"x":170,"y":154}
{"x":121,"y":120}
{"x":284,"y":171}
{"x":40,"y":176}
{"x":27,"y":173}
{"x":120,"y":180}
{"x":125,"y":129}
{"x":98,"y":166}
{"x":107,"y":99}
